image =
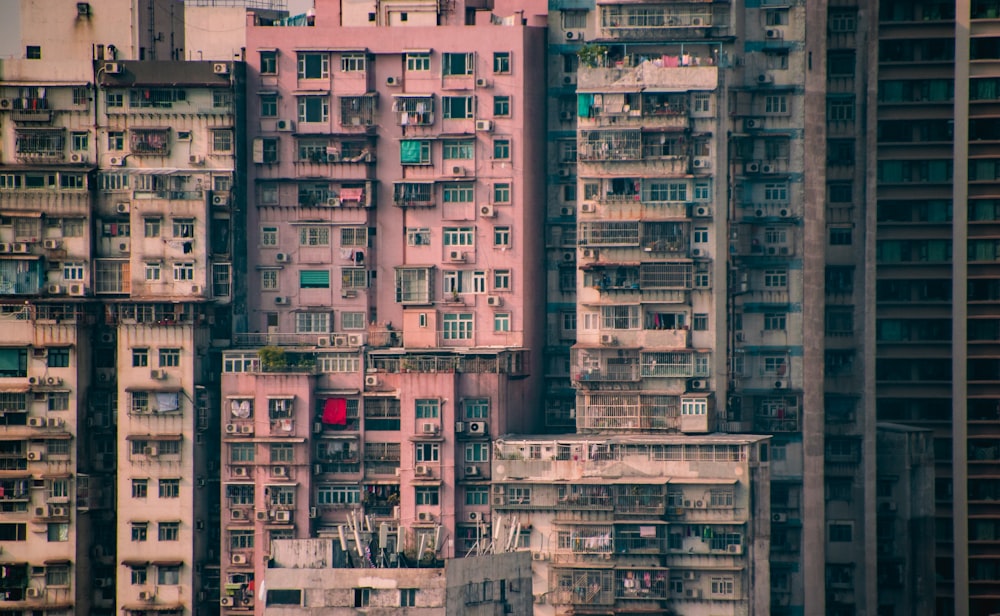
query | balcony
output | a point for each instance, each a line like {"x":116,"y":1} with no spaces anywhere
{"x":149,"y":142}
{"x":649,"y":76}
{"x":413,"y":194}
{"x":628,"y":411}
{"x":415,"y":110}
{"x":658,"y":22}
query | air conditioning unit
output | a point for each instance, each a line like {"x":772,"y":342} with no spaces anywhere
{"x":77,"y":158}
{"x":222,"y":200}
{"x":574,"y":36}
{"x":35,"y":456}
{"x":482,"y":83}
{"x":692,"y":593}
{"x":117,"y":161}
{"x":538,"y":556}
{"x":123,"y":207}
{"x":6,"y":103}
{"x":734,"y":548}
{"x":753,"y":124}
{"x":697,"y":252}
{"x":471,"y":471}
{"x":421,"y":470}
{"x":5,"y":247}
{"x":355,"y":340}
{"x":261,"y":516}
{"x":281,"y":300}
{"x":588,"y":207}
{"x":20,"y":248}
{"x":698,"y":384}
{"x":220,"y":68}
{"x":425,"y":516}
{"x":240,"y":559}
{"x":392,"y":81}
{"x":41,"y":512}
{"x":158,"y":374}
{"x":51,"y":244}
{"x":564,"y":173}
{"x":429,"y":428}
{"x":232,"y":429}
{"x":33,"y":593}
{"x":569,"y":256}
{"x":457,"y":171}
{"x":456,"y":256}
{"x":152,"y":452}
{"x":779,"y":517}
{"x":348,"y":293}
{"x":283,"y":516}
{"x":333,"y":202}
{"x":323,"y":341}
{"x":765,"y":78}
{"x":371,"y":380}
{"x":196,"y":159}
{"x":591,"y":253}
{"x":54,"y":380}
{"x":240,"y":471}
{"x":608,"y":339}
{"x":478,"y":427}
{"x":697,"y":21}
{"x":567,"y":211}
{"x":785,"y":213}
{"x":702,"y":162}
{"x":55,"y":422}
{"x":702,"y":211}
{"x":339,"y":341}
{"x":246,"y":429}
{"x":283,"y":257}
{"x":487,"y":211}
{"x":752,"y":167}
{"x":279,"y":471}
{"x":114,"y":68}
{"x":60,"y":512}
{"x":36,"y":422}
{"x":772,"y":250}
{"x":494,"y":300}
{"x":284,"y":126}
{"x":773,"y":33}
{"x":569,"y":80}
{"x":227,"y":601}
{"x":77,"y":290}
{"x":781,"y":384}
{"x":484,"y":125}
{"x":768,"y":168}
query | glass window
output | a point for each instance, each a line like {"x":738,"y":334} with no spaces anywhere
{"x":269,"y":236}
{"x":414,"y":152}
{"x":353,"y":62}
{"x":459,"y":150}
{"x":501,"y":280}
{"x":222,"y":140}
{"x":457,"y":107}
{"x":501,"y":322}
{"x":458,"y":326}
{"x":314,"y":279}
{"x":501,"y":236}
{"x":501,"y":62}
{"x":427,"y":408}
{"x":58,"y":357}
{"x":314,"y":109}
{"x":268,"y":62}
{"x":501,"y":149}
{"x":418,"y":62}
{"x":426,"y":495}
{"x":151,"y":226}
{"x":168,"y":575}
{"x":268,"y":105}
{"x":170,"y":358}
{"x":269,"y":280}
{"x":170,"y":488}
{"x":313,"y":65}
{"x":140,"y":488}
{"x":501,"y":106}
{"x":458,"y":63}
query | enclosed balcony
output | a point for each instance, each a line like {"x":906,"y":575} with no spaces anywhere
{"x":656,"y":110}
{"x":413,"y":194}
{"x":358,"y":112}
{"x":659,"y":21}
{"x":414,"y":110}
{"x":603,"y":411}
{"x":604,"y":366}
{"x":673,"y":71}
{"x":21,"y":276}
{"x":40,"y":144}
{"x":582,"y":587}
{"x":149,"y":142}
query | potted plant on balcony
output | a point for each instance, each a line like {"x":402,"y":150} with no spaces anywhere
{"x":272,"y":359}
{"x":592,"y":55}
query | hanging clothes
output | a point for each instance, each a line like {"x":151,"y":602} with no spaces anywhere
{"x":335,"y":411}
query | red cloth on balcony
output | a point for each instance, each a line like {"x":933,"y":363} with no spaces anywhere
{"x":335,"y":411}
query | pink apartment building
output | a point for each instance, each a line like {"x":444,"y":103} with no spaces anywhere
{"x":394,"y":212}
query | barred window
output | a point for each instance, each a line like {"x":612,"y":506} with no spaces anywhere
{"x":353,"y":278}
{"x":354,"y":236}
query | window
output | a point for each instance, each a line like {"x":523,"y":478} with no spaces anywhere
{"x":362,"y":597}
{"x":776,"y":104}
{"x":268,"y":155}
{"x":413,"y":152}
{"x":776,"y":278}
{"x":426,"y":495}
{"x":501,"y":322}
{"x":314,"y":109}
{"x":477,"y":495}
{"x":168,"y":575}
{"x":73,"y":270}
{"x":170,"y":488}
{"x":501,"y":192}
{"x":458,"y":326}
{"x":116,"y":140}
{"x":840,"y":64}
{"x":774,"y":321}
{"x":427,"y":408}
{"x":80,"y":142}
{"x":222,"y":140}
{"x":314,"y":279}
{"x":222,"y":99}
{"x":427,"y":452}
{"x":458,"y":192}
{"x":184,"y":271}
{"x":501,"y":106}
{"x":458,"y":63}
{"x":458,"y":150}
{"x":841,"y":532}
{"x":352,"y":320}
{"x":140,"y":576}
{"x":501,"y":280}
{"x":269,"y":280}
{"x":458,"y":236}
{"x":140,"y":488}
{"x":183,"y":227}
{"x":314,"y":236}
{"x":353,"y":63}
{"x":58,"y":401}
{"x":58,"y":357}
{"x":477,"y":452}
{"x":457,"y":107}
{"x":312,"y":322}
{"x":699,"y":322}
{"x":840,"y":109}
{"x":841,"y":236}
{"x":140,"y":358}
{"x":842,"y":21}
{"x":269,"y":236}
{"x":418,"y":62}
{"x":140,"y":531}
{"x":33,"y":52}
{"x":57,"y":575}
{"x":241,"y":452}
{"x":268,"y":62}
{"x":418,"y":236}
{"x":407,"y":597}
{"x":151,"y":227}
{"x":702,"y":103}
{"x":313,"y":65}
{"x":268,"y":105}
{"x":700,"y":235}
{"x":501,"y":62}
{"x":501,"y":236}
{"x":114,"y":99}
{"x":723,"y":586}
{"x":501,"y":149}
{"x":170,"y":358}
{"x":152,"y":271}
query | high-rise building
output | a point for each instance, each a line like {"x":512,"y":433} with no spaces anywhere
{"x":394,"y":224}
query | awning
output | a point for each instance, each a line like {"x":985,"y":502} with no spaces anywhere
{"x":240,"y":397}
{"x":168,"y":563}
{"x":56,"y":436}
{"x":339,"y":437}
{"x":21,"y":214}
{"x":337,"y":392}
{"x":154,"y":437}
{"x":411,"y":95}
{"x":281,"y":397}
{"x":155,"y":388}
{"x":152,"y":607}
{"x":134,"y":562}
{"x":15,"y":389}
{"x":57,"y":561}
{"x":316,"y":92}
{"x":273,"y":439}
